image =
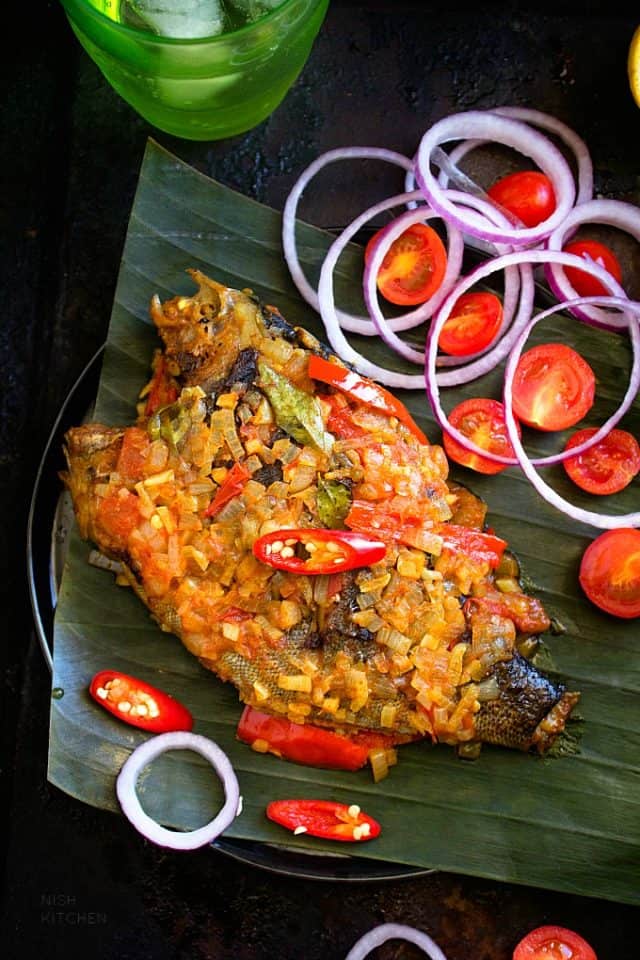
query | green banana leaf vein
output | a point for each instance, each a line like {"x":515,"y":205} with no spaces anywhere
{"x":571,"y":823}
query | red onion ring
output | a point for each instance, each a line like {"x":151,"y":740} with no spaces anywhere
{"x":394,"y":931}
{"x":546,"y":122}
{"x":348,"y":321}
{"x":601,"y":521}
{"x":326,"y":298}
{"x":149,"y":828}
{"x":434,"y":381}
{"x":474,"y":124}
{"x":614,"y":213}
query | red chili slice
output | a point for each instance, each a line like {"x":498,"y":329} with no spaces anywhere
{"x":365,"y":391}
{"x":324,"y":818}
{"x":607,"y":467}
{"x":553,"y":943}
{"x":138,"y":703}
{"x":316,"y":550}
{"x":553,"y":387}
{"x":232,"y":485}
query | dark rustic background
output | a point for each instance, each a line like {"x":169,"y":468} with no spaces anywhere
{"x":77,"y":880}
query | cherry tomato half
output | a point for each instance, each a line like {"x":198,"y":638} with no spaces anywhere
{"x":472,"y":324}
{"x":582,"y":282}
{"x":482,"y":421}
{"x":553,"y":387}
{"x":527,"y":194}
{"x":610,"y":572}
{"x":607,"y":467}
{"x":138,"y":703}
{"x":413,"y":267}
{"x":553,"y":943}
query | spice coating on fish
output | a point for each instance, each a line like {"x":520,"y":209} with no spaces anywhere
{"x":236,"y":441}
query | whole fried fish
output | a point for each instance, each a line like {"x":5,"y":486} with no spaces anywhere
{"x":250,"y":431}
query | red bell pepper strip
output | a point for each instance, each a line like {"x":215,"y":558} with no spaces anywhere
{"x":317,"y":550}
{"x":324,"y":818}
{"x":365,"y":391}
{"x":307,"y":744}
{"x":475,"y":544}
{"x":232,"y":485}
{"x":138,"y":703}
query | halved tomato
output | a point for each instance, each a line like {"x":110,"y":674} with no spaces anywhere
{"x":482,"y":421}
{"x":472,"y":324}
{"x":413,"y":267}
{"x":553,"y":943}
{"x":610,"y":572}
{"x":607,"y":467}
{"x":553,"y":387}
{"x":527,"y":194}
{"x":582,"y":282}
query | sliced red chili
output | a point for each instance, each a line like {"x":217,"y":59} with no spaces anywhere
{"x":138,"y":703}
{"x":232,"y":485}
{"x":475,"y":544}
{"x":365,"y":391}
{"x":324,"y":818}
{"x":316,"y":550}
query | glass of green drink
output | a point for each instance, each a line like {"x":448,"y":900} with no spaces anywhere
{"x":199,"y":69}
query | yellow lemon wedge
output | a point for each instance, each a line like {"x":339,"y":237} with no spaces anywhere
{"x":633,"y":65}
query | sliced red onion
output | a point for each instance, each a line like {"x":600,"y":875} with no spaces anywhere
{"x":601,"y":521}
{"x":356,"y":324}
{"x":476,"y":124}
{"x":434,"y":380}
{"x":394,"y":931}
{"x":614,"y":213}
{"x":326,"y":298}
{"x":149,"y":828}
{"x":377,"y":255}
{"x":545,"y":122}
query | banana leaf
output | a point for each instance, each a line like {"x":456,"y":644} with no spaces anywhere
{"x":569,"y":823}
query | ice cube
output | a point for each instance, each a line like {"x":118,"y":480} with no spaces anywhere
{"x":183,"y":19}
{"x":250,"y":10}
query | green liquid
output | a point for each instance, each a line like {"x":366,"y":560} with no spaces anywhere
{"x":204,"y":88}
{"x":233,"y":17}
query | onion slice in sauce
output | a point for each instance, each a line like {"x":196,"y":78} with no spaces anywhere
{"x":150,"y":828}
{"x":394,"y":931}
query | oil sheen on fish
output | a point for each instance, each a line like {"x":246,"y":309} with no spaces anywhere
{"x":236,"y":440}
